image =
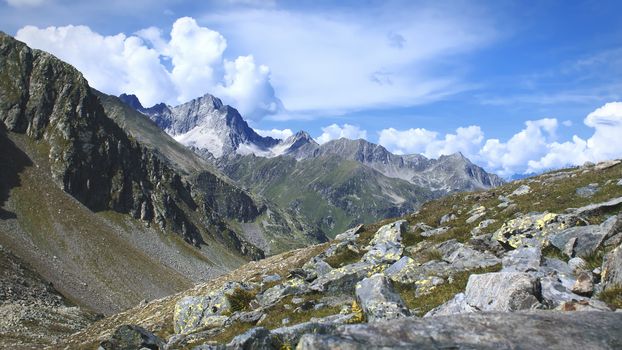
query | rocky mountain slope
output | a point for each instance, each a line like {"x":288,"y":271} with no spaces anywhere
{"x":535,"y":263}
{"x":31,"y":310}
{"x":332,"y":186}
{"x":108,"y":207}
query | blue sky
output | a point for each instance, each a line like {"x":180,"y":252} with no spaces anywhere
{"x":406,"y":74}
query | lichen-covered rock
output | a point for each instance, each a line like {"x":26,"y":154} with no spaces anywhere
{"x":386,"y":246}
{"x":503,"y":291}
{"x":379,"y":300}
{"x":131,"y":337}
{"x":529,"y":230}
{"x":522,"y":259}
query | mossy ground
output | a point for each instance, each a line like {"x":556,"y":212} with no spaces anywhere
{"x":284,"y":309}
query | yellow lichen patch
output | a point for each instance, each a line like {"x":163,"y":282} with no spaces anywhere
{"x":359,"y":315}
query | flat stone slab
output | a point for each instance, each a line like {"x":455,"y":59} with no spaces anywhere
{"x":489,"y":331}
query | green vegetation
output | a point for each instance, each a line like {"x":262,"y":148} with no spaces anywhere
{"x":550,"y":251}
{"x":594,"y":260}
{"x":440,"y":294}
{"x":612,"y":296}
{"x":240,"y":299}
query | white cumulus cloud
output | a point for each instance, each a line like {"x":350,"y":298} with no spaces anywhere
{"x":334,"y":131}
{"x":533,"y":149}
{"x":276,"y":133}
{"x":189,"y":64}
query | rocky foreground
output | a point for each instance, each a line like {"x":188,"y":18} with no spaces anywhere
{"x":535,"y":263}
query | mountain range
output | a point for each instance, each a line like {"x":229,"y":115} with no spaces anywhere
{"x":332,"y":186}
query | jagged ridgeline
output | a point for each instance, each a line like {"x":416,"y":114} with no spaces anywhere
{"x":535,"y":263}
{"x":107,"y":206}
{"x":333,"y":186}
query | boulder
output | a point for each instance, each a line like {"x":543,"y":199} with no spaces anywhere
{"x":131,"y":337}
{"x":579,"y":240}
{"x":584,"y":284}
{"x":379,"y":300}
{"x":503,"y":291}
{"x":386,"y":245}
{"x":522,"y":259}
{"x":532,"y":330}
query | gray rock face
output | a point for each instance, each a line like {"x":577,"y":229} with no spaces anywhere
{"x":194,"y":313}
{"x":491,"y":331}
{"x":379,"y":300}
{"x":580,"y":240}
{"x":612,"y":269}
{"x":523,"y":259}
{"x":502,"y":291}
